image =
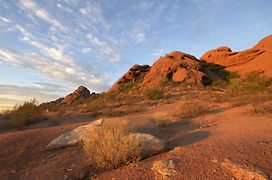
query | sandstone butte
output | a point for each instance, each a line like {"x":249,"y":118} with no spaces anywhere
{"x":257,"y":58}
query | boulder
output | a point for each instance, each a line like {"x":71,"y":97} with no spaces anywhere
{"x":150,"y":145}
{"x":74,"y":137}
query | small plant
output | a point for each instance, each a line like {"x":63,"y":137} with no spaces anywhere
{"x":219,"y":84}
{"x":162,"y":119}
{"x":24,"y":114}
{"x":168,"y":82}
{"x":153,"y":93}
{"x":190,"y":109}
{"x":259,"y":108}
{"x":126,"y":87}
{"x":251,"y":83}
{"x":110,"y":149}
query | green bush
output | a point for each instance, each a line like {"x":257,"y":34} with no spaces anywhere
{"x":126,"y":87}
{"x":251,"y":83}
{"x":24,"y":114}
{"x":153,"y":93}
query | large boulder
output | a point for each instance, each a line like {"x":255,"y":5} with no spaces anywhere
{"x":149,"y":144}
{"x":76,"y":136}
{"x":81,"y":92}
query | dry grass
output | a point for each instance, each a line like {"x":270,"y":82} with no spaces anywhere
{"x":154,"y":93}
{"x":162,"y":119}
{"x":260,"y":108}
{"x":109,"y":148}
{"x":189,"y":110}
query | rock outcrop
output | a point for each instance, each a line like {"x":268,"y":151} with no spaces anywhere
{"x":134,"y":75}
{"x":179,"y":67}
{"x":81,"y":92}
{"x":257,"y":58}
{"x":176,"y":66}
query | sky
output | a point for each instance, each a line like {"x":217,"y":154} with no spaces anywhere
{"x":50,"y":47}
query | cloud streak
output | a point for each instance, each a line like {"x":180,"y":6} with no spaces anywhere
{"x":41,"y":13}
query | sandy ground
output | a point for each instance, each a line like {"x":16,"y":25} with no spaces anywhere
{"x":198,"y":146}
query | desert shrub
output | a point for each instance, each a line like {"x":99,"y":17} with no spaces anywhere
{"x":190,"y":109}
{"x":219,"y":84}
{"x":168,"y":82}
{"x":232,"y":75}
{"x":162,"y":119}
{"x":109,"y":149}
{"x":24,"y":114}
{"x":113,"y":113}
{"x":251,"y":83}
{"x":260,"y":108}
{"x":107,"y":96}
{"x":126,"y":87}
{"x":93,"y":106}
{"x":135,"y":109}
{"x":153,"y":93}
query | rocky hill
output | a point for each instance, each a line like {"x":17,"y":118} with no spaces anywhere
{"x":213,"y":65}
{"x":80,"y":92}
{"x":176,"y":66}
{"x":257,"y":58}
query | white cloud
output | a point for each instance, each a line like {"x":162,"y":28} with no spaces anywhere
{"x":53,"y":69}
{"x":140,"y":37}
{"x":158,"y":52}
{"x":4,"y":19}
{"x":104,"y":48}
{"x":86,"y":50}
{"x":41,"y":13}
{"x":48,"y":51}
{"x":70,"y":70}
{"x":87,"y":10}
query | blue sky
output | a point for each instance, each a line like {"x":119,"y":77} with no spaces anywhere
{"x":50,"y":47}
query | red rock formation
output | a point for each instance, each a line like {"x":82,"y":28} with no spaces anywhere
{"x":258,"y":58}
{"x":81,"y":92}
{"x":135,"y":74}
{"x":175,"y":66}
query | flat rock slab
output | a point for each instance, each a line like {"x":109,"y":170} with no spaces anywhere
{"x":166,"y":168}
{"x":244,"y":173}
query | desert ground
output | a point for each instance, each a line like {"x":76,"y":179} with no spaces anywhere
{"x":199,"y":146}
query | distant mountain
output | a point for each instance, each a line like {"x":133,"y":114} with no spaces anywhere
{"x":79,"y":93}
